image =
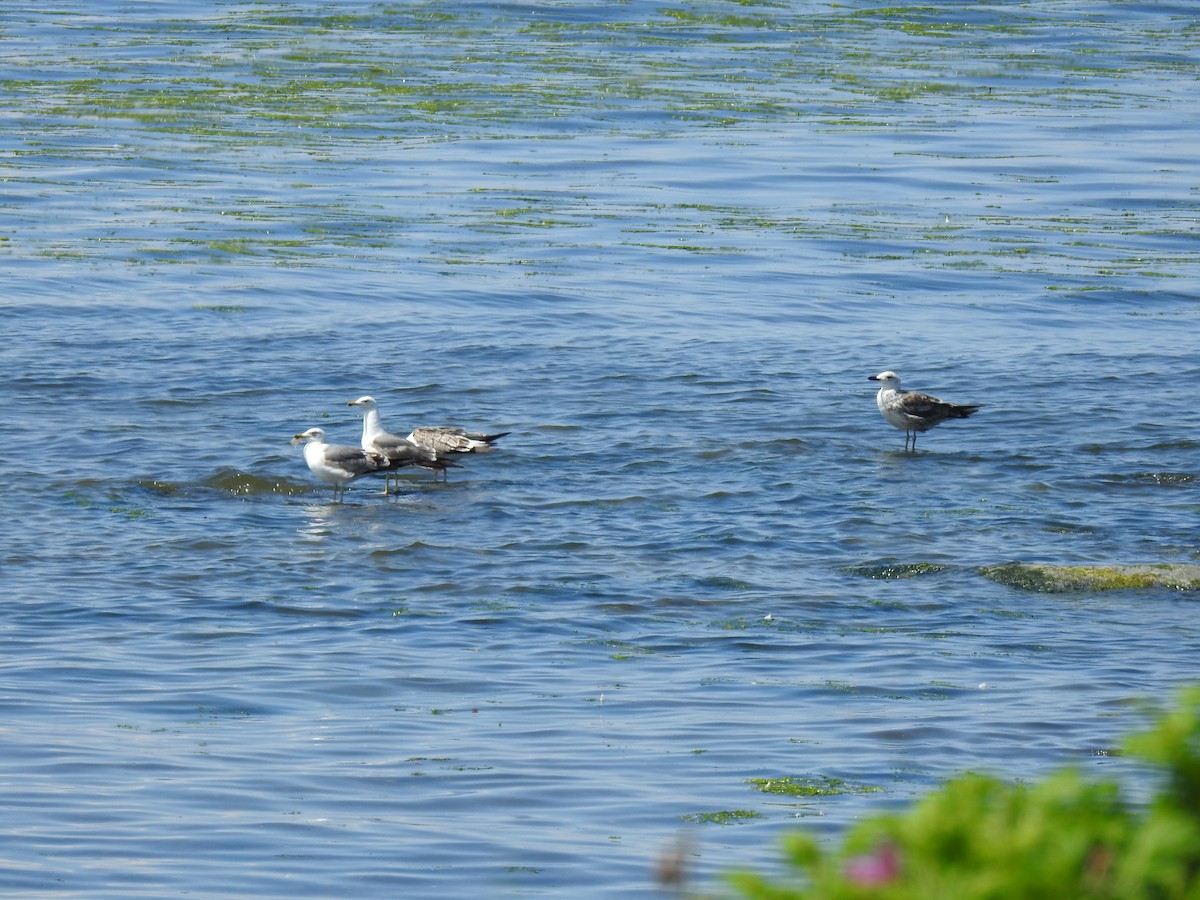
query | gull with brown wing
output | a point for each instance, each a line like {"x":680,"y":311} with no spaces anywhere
{"x":912,"y":411}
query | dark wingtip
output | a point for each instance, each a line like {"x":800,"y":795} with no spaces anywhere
{"x":439,"y":464}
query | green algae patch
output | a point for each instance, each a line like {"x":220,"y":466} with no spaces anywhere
{"x":219,"y":308}
{"x":821,"y":786}
{"x":1048,"y":579}
{"x":725,"y":817}
{"x":889,"y":569}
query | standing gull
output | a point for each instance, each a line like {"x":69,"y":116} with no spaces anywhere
{"x":338,"y":464}
{"x":912,"y":411}
{"x":399,"y":451}
{"x":449,"y":439}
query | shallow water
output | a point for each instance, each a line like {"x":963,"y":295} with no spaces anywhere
{"x":664,"y":248}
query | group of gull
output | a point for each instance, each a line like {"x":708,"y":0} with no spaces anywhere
{"x":383,"y":453}
{"x":436,"y":447}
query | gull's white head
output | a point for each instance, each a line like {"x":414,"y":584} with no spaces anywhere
{"x":888,"y":380}
{"x":316,"y":435}
{"x":364,"y":402}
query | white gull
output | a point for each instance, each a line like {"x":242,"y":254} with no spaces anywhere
{"x":338,"y":464}
{"x":400,"y":451}
{"x":912,"y":411}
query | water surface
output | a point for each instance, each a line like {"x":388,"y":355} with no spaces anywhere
{"x":663,"y":247}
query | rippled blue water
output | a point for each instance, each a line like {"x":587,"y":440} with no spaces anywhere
{"x":664,"y":248}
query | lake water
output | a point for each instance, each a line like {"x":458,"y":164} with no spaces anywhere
{"x":663,"y":246}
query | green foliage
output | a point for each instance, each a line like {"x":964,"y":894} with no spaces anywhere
{"x":979,"y":838}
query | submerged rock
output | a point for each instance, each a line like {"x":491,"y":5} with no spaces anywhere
{"x":1048,"y":579}
{"x":238,"y":482}
{"x":890,"y":568}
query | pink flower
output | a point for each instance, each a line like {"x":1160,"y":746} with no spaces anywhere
{"x":876,"y":868}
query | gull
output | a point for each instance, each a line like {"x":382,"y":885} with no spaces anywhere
{"x":338,"y":464}
{"x":912,"y":411}
{"x":449,"y":439}
{"x":399,"y":451}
